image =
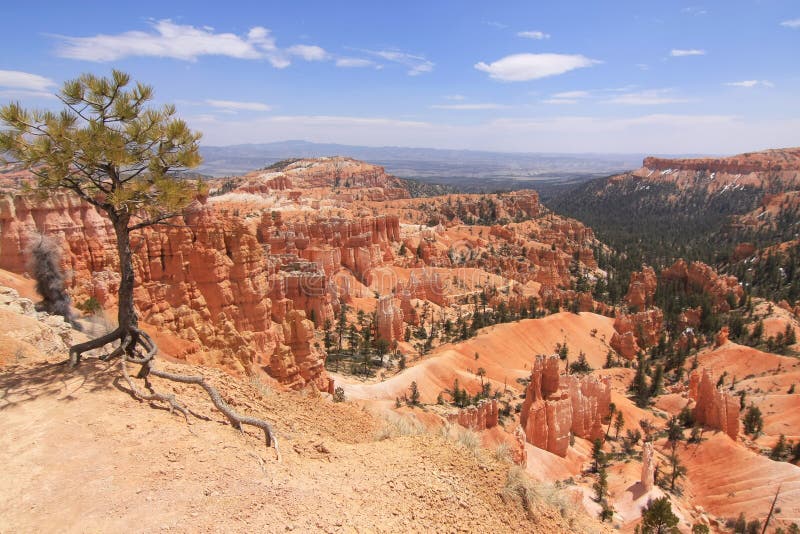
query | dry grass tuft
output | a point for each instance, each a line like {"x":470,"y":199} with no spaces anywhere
{"x":503,"y":453}
{"x":397,"y":425}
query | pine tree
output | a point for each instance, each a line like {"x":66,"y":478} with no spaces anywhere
{"x":618,"y":424}
{"x":601,"y":484}
{"x":778,"y":452}
{"x":674,"y":430}
{"x":639,"y":387}
{"x":789,"y":336}
{"x":598,"y":456}
{"x":658,"y":518}
{"x":117,"y":153}
{"x":677,"y":469}
{"x":414,"y":400}
{"x":753,"y":422}
{"x":658,"y":381}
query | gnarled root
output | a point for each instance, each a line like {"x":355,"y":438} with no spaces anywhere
{"x":138,"y":348}
{"x":76,"y":351}
{"x":152,"y":395}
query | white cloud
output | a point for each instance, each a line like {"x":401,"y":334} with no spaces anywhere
{"x":175,"y":41}
{"x":416,"y":64}
{"x":694,"y":10}
{"x":455,"y":97}
{"x":17,"y":79}
{"x":751,"y":83}
{"x":680,"y":52}
{"x":572,"y":94}
{"x":22,"y":94}
{"x":651,"y":97}
{"x":308,"y":52}
{"x":535,"y":34}
{"x":235,"y":105}
{"x":567,"y":97}
{"x":495,"y":24}
{"x":469,"y":106}
{"x":560,"y":101}
{"x":792,"y":23}
{"x":524,"y":67}
{"x":643,"y":66}
{"x":354,"y":62}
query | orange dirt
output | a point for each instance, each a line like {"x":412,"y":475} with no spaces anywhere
{"x":80,"y":454}
{"x":505,"y":351}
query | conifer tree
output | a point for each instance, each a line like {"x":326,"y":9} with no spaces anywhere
{"x":114,"y":151}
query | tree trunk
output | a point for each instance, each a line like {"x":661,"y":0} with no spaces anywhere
{"x":126,"y":315}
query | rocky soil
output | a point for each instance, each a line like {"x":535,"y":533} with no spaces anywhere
{"x":79,"y":453}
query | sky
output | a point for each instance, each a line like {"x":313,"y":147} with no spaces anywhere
{"x":655,"y":77}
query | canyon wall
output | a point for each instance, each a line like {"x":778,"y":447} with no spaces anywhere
{"x":212,"y":278}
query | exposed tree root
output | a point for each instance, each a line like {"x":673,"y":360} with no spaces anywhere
{"x":76,"y":351}
{"x":138,"y":348}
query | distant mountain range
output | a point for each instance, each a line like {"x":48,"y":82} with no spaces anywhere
{"x":468,"y":170}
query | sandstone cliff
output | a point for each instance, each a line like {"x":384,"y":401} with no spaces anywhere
{"x":213,"y":278}
{"x":480,"y":417}
{"x":714,"y":408}
{"x":700,"y":278}
{"x":557,"y":405}
{"x":635,"y":332}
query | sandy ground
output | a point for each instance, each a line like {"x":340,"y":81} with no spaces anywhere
{"x":80,"y":454}
{"x":726,"y":478}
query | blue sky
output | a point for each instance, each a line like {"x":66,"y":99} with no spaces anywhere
{"x":622,"y":76}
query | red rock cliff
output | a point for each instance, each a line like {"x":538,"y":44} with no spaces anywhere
{"x":480,"y":417}
{"x":207,"y":281}
{"x":637,"y":331}
{"x":557,"y":405}
{"x":714,"y":408}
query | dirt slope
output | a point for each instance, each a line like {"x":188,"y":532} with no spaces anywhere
{"x":505,"y":352}
{"x":726,"y":479}
{"x":79,"y":454}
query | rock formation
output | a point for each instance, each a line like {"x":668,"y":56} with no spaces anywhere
{"x":557,"y":405}
{"x":700,"y":278}
{"x":519,"y":455}
{"x":227,"y":282}
{"x":26,"y":329}
{"x":648,"y":466}
{"x":642,"y":289}
{"x":634,"y":332}
{"x":480,"y":417}
{"x":356,"y":177}
{"x":714,"y":408}
{"x":389,"y":319}
{"x":787,"y":159}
